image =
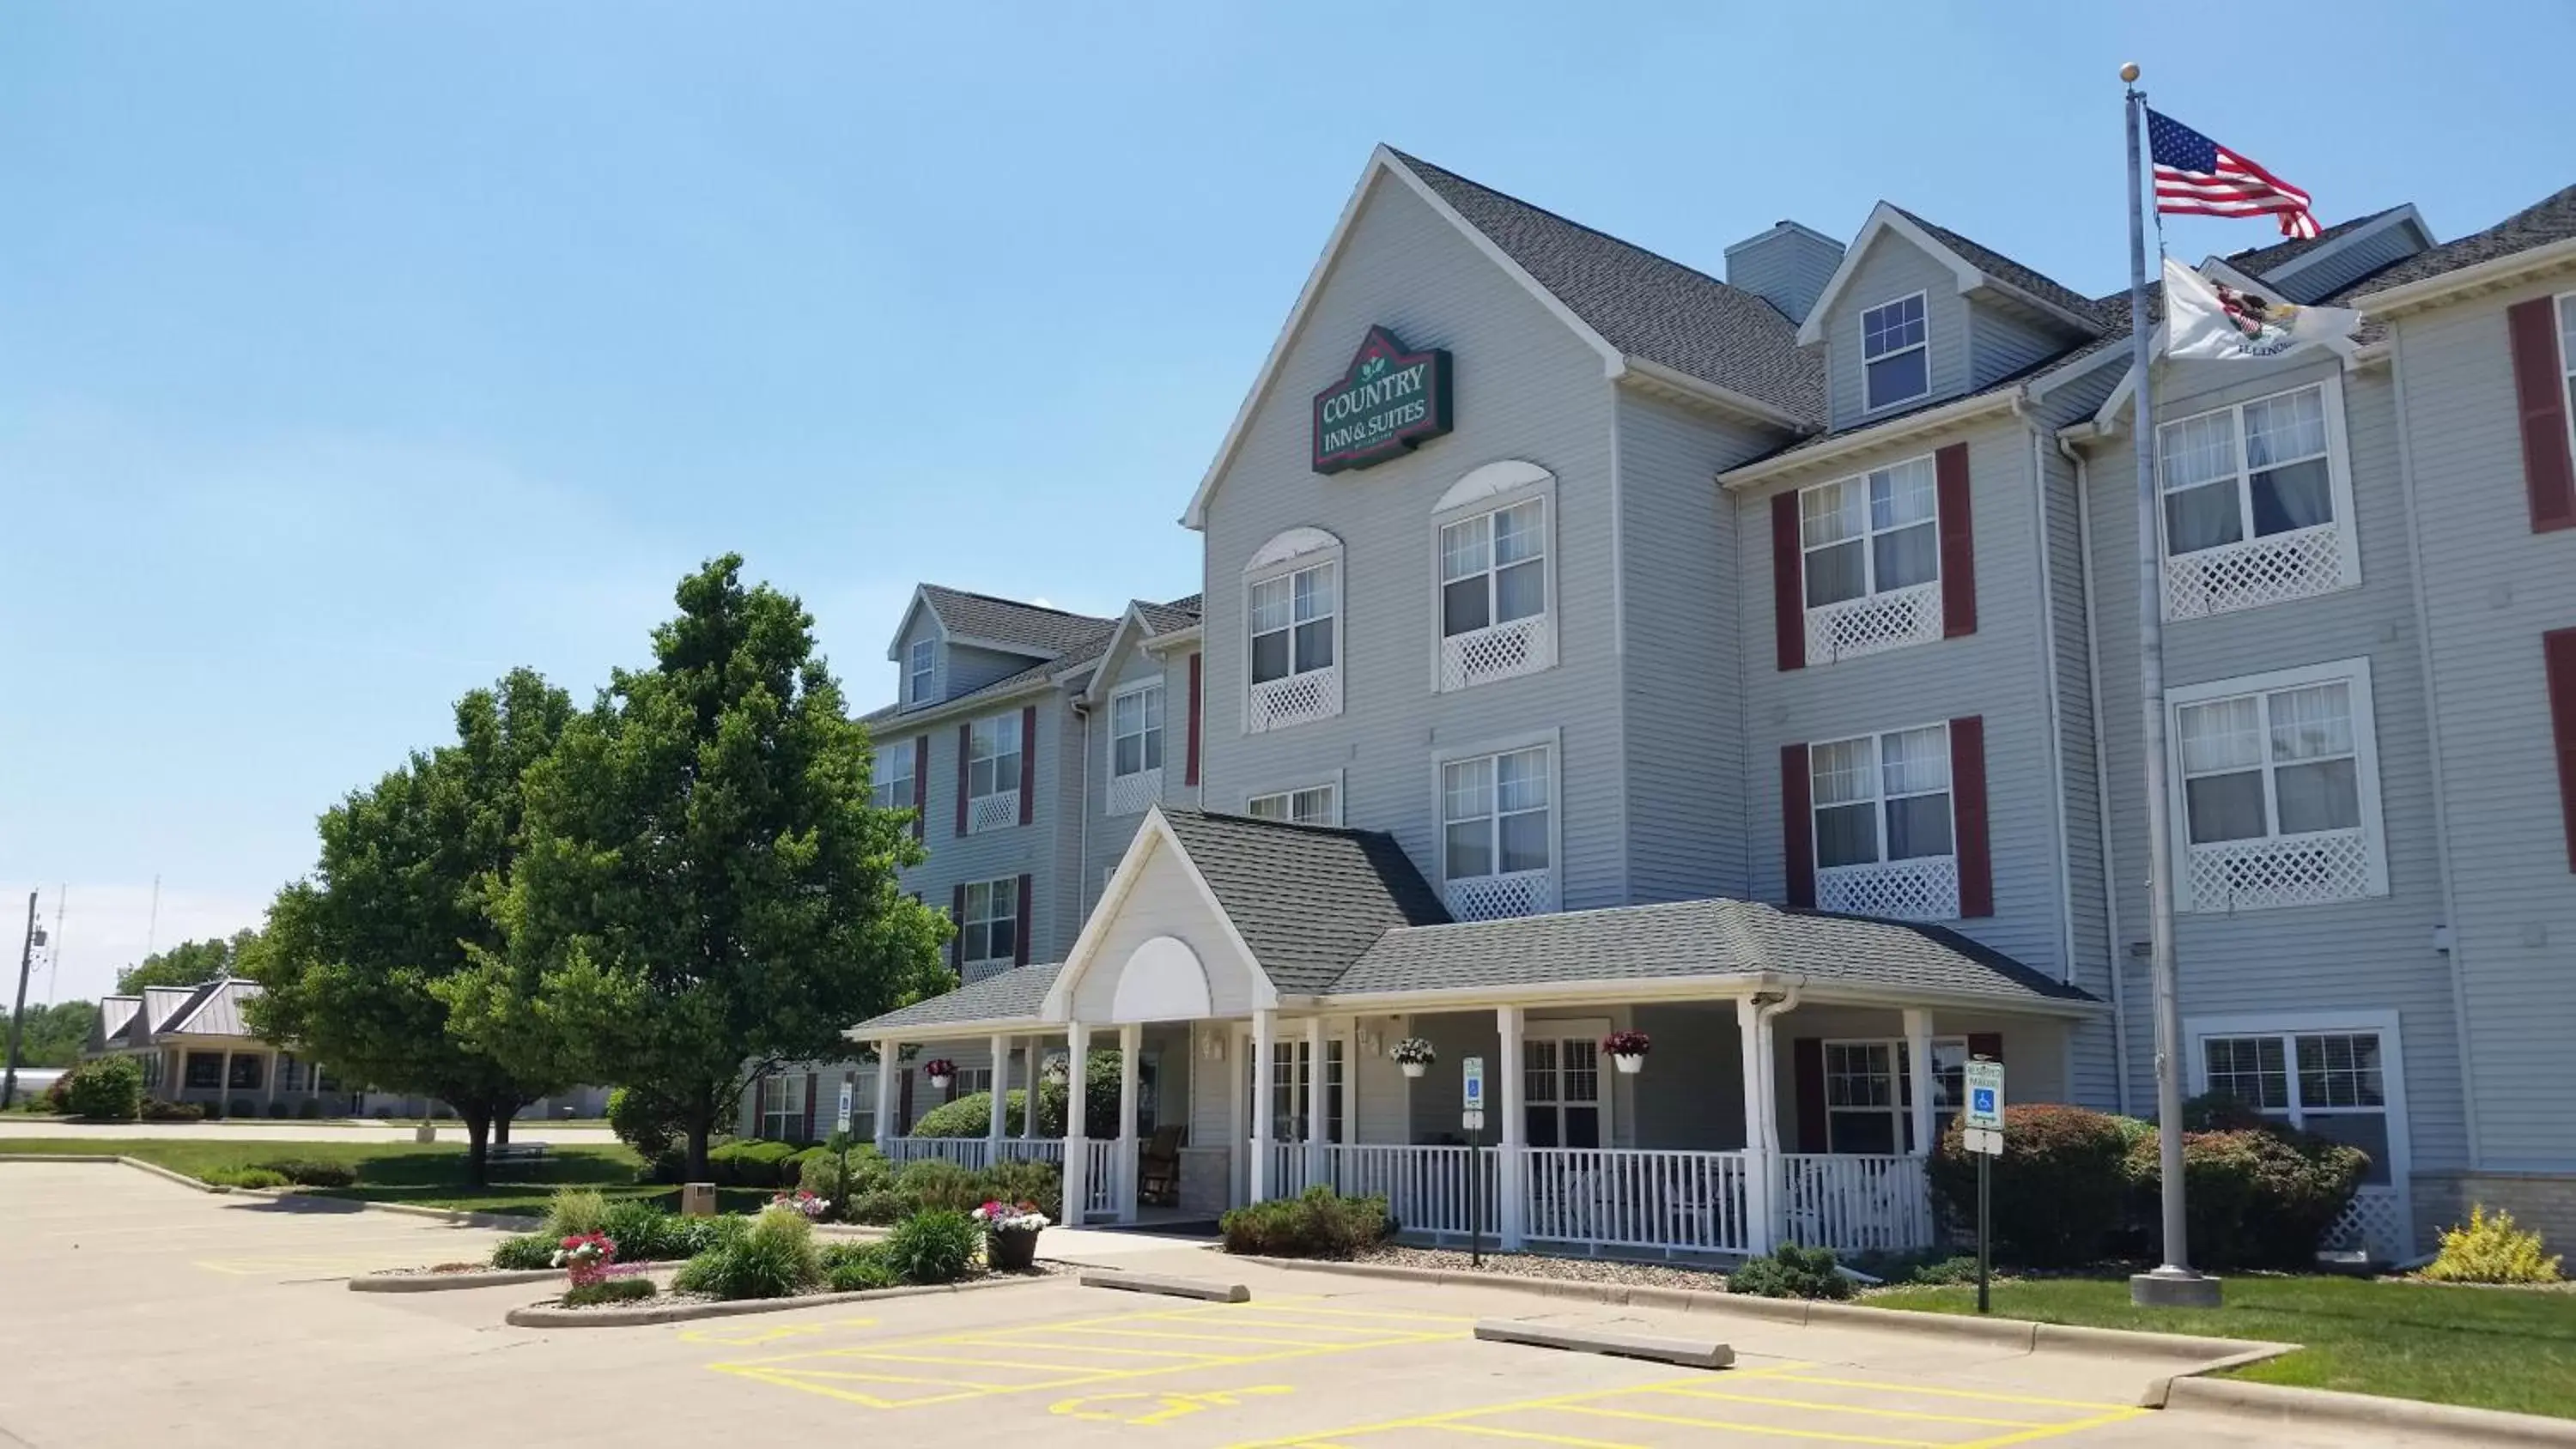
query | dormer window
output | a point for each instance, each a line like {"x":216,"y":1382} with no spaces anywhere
{"x":922,"y":671}
{"x":1896,"y":362}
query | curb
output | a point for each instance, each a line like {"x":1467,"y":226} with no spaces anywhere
{"x":1206,"y":1289}
{"x":539,"y":1315}
{"x":2277,"y":1403}
{"x":440,"y":1282}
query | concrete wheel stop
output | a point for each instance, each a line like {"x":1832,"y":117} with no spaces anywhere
{"x":1686,"y":1352}
{"x":1205,"y":1289}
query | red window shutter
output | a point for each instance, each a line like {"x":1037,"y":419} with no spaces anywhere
{"x":1028,"y":764}
{"x":1986,"y":1044}
{"x":957,"y":942}
{"x":920,"y":782}
{"x":1797,"y":825}
{"x":965,"y":745}
{"x":1788,"y":582}
{"x":1968,"y":816}
{"x":1190,"y":772}
{"x":2558,"y":651}
{"x":1958,"y":542}
{"x":809,"y":1107}
{"x":1020,"y":926}
{"x":1807,"y":1064}
{"x":2540,"y":391}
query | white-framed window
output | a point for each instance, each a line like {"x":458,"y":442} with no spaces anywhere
{"x":1870,"y":551}
{"x":1292,"y":624}
{"x":2276,"y":781}
{"x":890,"y":782}
{"x":971,"y":1080}
{"x":989,"y":936}
{"x":1564,"y":1099}
{"x":993,"y":746}
{"x":863,"y":1106}
{"x":1313,"y":805}
{"x":1136,"y":729}
{"x":921,"y":671}
{"x":1291,"y":1069}
{"x":1869,"y":1092}
{"x":1295,"y":622}
{"x":1885,"y":833}
{"x":782,"y":1107}
{"x":1498,"y":832}
{"x":2338,"y":1074}
{"x":1494,"y":617}
{"x":2257,"y":503}
{"x":1895,"y":353}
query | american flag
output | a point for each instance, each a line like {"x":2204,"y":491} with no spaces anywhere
{"x":2196,"y":176}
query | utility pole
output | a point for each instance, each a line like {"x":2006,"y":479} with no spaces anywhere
{"x":54,"y":947}
{"x":18,"y":1017}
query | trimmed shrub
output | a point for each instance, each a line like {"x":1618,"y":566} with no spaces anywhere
{"x":2491,"y":1250}
{"x":2257,"y":1198}
{"x":242,"y":1107}
{"x":2219,"y":1112}
{"x":774,"y":1257}
{"x":1922,"y":1265}
{"x":158,"y":1111}
{"x":259,"y":1177}
{"x":2059,"y":1193}
{"x":532,"y":1250}
{"x":311,"y":1172}
{"x":878,"y":1208}
{"x":58,"y":1098}
{"x":749,"y":1163}
{"x":1020,"y":1181}
{"x":1794,"y":1272}
{"x":857,"y":1267}
{"x":970,"y":1115}
{"x":643,"y":1121}
{"x":608,"y":1290}
{"x":821,"y":1175}
{"x":575,"y":1210}
{"x":933,"y":1247}
{"x":104,"y":1089}
{"x":1321,"y":1224}
{"x":932,"y":1185}
{"x":643,"y":1232}
{"x":309,"y":1109}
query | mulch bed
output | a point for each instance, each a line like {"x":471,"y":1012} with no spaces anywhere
{"x":1535,"y":1265}
{"x":1043,"y":1270}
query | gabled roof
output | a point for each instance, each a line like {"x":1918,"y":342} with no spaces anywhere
{"x":215,"y":1009}
{"x":994,"y":622}
{"x":1972,"y":266}
{"x":1308,"y":900}
{"x":1180,"y":613}
{"x":1142,"y":622}
{"x":2286,"y":259}
{"x":2549,"y":222}
{"x":116,"y":1013}
{"x":163,"y":1004}
{"x":1082,"y":645}
{"x":1012,"y":996}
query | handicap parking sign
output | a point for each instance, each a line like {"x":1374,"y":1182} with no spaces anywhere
{"x":1985,"y":1096}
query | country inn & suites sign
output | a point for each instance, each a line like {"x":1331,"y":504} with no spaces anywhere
{"x":1388,"y":401}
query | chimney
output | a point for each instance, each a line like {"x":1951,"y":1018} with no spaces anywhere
{"x":1786,"y":266}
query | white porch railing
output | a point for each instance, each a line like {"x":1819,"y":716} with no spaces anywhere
{"x":1854,"y":1202}
{"x":968,"y":1152}
{"x":1033,"y":1149}
{"x":1427,"y":1189}
{"x":1637,"y":1198}
{"x":1288,"y":1175}
{"x":1103,"y":1177}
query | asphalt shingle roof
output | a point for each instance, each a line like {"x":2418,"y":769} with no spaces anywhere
{"x":2012,"y":273}
{"x":1645,"y":305}
{"x":2256,"y":261}
{"x":1180,"y":613}
{"x":2551,"y":219}
{"x":1693,"y":938}
{"x":1010,"y":623}
{"x":1309,"y":900}
{"x":1013,"y":995}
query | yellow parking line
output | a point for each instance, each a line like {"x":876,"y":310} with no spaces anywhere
{"x":1271,"y":1303}
{"x":2116,"y":1416}
{"x":980,"y":1362}
{"x":867,"y":1378}
{"x":1453,"y":1418}
{"x":1248,"y":1342}
{"x":1491,"y":1432}
{"x":1858,"y":1409}
{"x":1090,"y":1348}
{"x":1989,"y":1397}
{"x":1786,"y":1433}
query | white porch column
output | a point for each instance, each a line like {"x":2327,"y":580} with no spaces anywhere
{"x":1257,"y":1176}
{"x":1131,"y":1055}
{"x":1761,"y":1161}
{"x":1077,"y":1132}
{"x":1918,"y":1074}
{"x":1315,"y":1100}
{"x":268,"y":1080}
{"x":224,"y":1084}
{"x":882,"y":1127}
{"x":1029,"y":1046}
{"x":1510,"y":1168}
{"x":996,"y":1122}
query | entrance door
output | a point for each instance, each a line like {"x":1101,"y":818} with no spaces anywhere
{"x":1562,"y":1101}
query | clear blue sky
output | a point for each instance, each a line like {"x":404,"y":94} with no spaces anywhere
{"x":351,"y":354}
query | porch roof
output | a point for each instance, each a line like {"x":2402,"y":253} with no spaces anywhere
{"x":1310,"y":901}
{"x":1011,"y":999}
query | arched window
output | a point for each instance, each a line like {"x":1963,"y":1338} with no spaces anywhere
{"x":1493,"y":542}
{"x":1292,"y":610}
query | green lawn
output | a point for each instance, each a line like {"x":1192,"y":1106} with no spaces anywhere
{"x":2495,"y":1348}
{"x":431,"y":1175}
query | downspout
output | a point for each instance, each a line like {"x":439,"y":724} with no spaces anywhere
{"x":2048,"y":662}
{"x":1082,"y":839}
{"x":2433,"y":738}
{"x":2101,"y":773}
{"x":1764,"y":1013}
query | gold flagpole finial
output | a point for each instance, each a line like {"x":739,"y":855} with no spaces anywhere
{"x":2129,"y":72}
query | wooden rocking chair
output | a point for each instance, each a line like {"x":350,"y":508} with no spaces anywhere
{"x":1158,"y":1168}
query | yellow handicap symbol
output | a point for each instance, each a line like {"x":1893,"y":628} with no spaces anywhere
{"x":1118,"y":1408}
{"x":749,"y":1337}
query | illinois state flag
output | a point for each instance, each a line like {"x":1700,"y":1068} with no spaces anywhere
{"x":2213,"y":321}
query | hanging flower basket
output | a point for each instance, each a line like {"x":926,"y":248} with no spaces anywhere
{"x":1057,"y":1069}
{"x":941,"y":1072}
{"x":1414,"y":1055}
{"x":1627,"y":1050}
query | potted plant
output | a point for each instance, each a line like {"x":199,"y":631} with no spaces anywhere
{"x":941,"y":1072}
{"x":585,"y":1257}
{"x":1628,"y":1049}
{"x":1010,"y":1235}
{"x":1414,"y":1054}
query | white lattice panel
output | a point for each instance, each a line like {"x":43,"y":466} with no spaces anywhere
{"x":1874,"y":624}
{"x":992,"y":812}
{"x":1278,"y":703}
{"x":1522,"y":646}
{"x":2250,"y":875}
{"x":980,"y":970}
{"x":1130,"y":794}
{"x":1492,"y":897}
{"x":2255,"y":572}
{"x":2375,"y":1221}
{"x":1926,"y":889}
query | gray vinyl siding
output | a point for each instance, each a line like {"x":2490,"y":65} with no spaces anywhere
{"x":922,"y":625}
{"x":1998,"y":673}
{"x":2370,"y":954}
{"x":1892,"y":268}
{"x":1691,"y":1099}
{"x":1788,"y":269}
{"x":1042,"y":849}
{"x":2096,"y":1072}
{"x":1685,"y":644}
{"x":2350,"y":264}
{"x":968,"y":668}
{"x":1110,"y":834}
{"x":1525,"y":388}
{"x":2492,"y":587}
{"x":2003,"y":342}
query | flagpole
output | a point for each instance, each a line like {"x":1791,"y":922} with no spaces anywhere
{"x":2172,"y":1283}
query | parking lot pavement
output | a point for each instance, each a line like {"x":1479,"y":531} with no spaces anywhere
{"x":140,"y":1313}
{"x":13,"y":1129}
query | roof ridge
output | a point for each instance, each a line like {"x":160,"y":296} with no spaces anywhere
{"x":1017,"y":603}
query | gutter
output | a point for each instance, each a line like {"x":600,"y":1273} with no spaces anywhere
{"x":1629,"y":990}
{"x":2008,"y":399}
{"x":2101,"y":762}
{"x":1726,"y":397}
{"x":2443,"y":285}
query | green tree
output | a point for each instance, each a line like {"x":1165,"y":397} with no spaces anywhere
{"x":706,"y":887}
{"x":190,"y":962}
{"x":409,"y":871}
{"x":55,"y":1036}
